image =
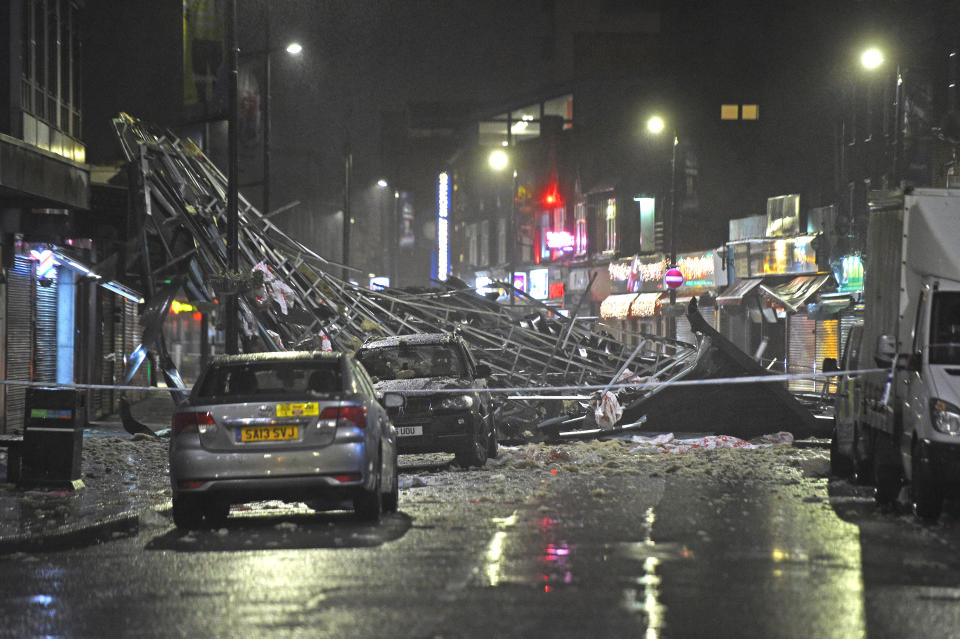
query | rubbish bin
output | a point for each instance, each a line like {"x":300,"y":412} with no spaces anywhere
{"x":52,"y":436}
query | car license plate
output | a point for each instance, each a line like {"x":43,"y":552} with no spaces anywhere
{"x":267,"y":433}
{"x":409,"y":431}
{"x":306,"y":409}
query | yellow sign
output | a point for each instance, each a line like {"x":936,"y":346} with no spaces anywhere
{"x":307,"y":409}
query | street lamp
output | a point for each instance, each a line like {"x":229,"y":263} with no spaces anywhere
{"x":657,"y":125}
{"x":293,"y":48}
{"x":498,"y":161}
{"x":873,"y":59}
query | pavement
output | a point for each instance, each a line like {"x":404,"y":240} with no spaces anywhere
{"x":123,"y":481}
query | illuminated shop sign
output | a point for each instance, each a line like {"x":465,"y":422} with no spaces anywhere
{"x":520,"y":281}
{"x":560,"y":241}
{"x":379,"y":283}
{"x":851,"y":273}
{"x":539,"y":283}
{"x":443,"y":231}
{"x":557,"y":290}
{"x":698,"y":270}
{"x":45,"y":262}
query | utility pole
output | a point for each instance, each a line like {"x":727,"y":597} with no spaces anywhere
{"x":231,"y":321}
{"x":266,"y":113}
{"x":347,"y":170}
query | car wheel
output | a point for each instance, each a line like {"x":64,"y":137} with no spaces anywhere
{"x":187,"y":511}
{"x":840,"y":466}
{"x":215,"y":512}
{"x":476,"y":454}
{"x":493,"y":446}
{"x":391,"y":500}
{"x":925,"y":493}
{"x":886,"y":470}
{"x":368,"y":505}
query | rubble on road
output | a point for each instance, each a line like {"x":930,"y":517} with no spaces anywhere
{"x":290,"y":298}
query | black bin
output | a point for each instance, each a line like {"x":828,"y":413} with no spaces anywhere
{"x":52,"y":436}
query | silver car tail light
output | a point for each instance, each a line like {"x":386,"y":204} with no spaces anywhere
{"x":192,"y":423}
{"x":349,"y":415}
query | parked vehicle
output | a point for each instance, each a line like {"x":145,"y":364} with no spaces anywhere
{"x":297,"y":426}
{"x":904,"y":422}
{"x":416,"y":367}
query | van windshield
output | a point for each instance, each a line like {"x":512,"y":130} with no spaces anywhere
{"x":945,"y":328}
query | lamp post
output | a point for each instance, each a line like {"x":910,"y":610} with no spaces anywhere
{"x":231,"y":322}
{"x":656,"y":125}
{"x":498,"y":161}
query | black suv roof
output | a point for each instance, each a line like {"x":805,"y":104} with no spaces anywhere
{"x":274,"y":356}
{"x":417,"y":339}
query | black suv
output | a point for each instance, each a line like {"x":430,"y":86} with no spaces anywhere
{"x":428,"y":422}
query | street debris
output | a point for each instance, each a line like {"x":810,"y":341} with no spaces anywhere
{"x":291,"y":298}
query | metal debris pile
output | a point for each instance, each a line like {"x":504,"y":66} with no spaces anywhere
{"x":290,"y":298}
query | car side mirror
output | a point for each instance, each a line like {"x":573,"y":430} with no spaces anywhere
{"x":830,"y":365}
{"x":393,"y":400}
{"x":483,"y":371}
{"x":886,"y":350}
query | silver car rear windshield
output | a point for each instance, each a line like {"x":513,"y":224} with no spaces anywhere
{"x":274,"y":380}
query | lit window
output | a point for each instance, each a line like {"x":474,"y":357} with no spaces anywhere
{"x":610,"y":213}
{"x":729,"y":111}
{"x":751,"y":112}
{"x":580,"y":228}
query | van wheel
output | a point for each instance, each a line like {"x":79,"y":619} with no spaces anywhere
{"x":840,"y":466}
{"x":886,"y":470}
{"x":862,"y":470}
{"x":925,"y":492}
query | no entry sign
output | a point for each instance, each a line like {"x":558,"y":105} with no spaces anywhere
{"x":673,"y":278}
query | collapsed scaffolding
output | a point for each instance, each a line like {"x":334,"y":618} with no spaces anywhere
{"x":289,"y":298}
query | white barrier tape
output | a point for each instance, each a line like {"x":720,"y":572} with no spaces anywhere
{"x":765,"y":379}
{"x":65,"y":386}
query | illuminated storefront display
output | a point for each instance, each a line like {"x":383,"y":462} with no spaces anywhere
{"x":699,"y":270}
{"x":560,"y":241}
{"x":851,"y":274}
{"x":443,"y":231}
{"x":774,"y":256}
{"x":539,"y":283}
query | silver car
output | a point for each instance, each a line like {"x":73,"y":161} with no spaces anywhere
{"x":295,"y":426}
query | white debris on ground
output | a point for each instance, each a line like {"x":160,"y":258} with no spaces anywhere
{"x":136,"y":467}
{"x":772,"y":460}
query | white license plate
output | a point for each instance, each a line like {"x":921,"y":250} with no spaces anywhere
{"x":409,"y":431}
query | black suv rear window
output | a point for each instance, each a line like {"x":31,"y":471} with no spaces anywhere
{"x":407,"y":361}
{"x":260,"y":380}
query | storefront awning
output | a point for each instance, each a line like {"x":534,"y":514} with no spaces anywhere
{"x":629,"y":305}
{"x":86,"y":271}
{"x":797,"y":291}
{"x":737,"y":291}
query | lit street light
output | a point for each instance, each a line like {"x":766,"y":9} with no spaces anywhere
{"x":657,"y":125}
{"x":498,"y":161}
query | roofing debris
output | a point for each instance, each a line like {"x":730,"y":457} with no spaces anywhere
{"x":289,"y":297}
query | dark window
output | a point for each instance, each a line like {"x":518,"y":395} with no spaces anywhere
{"x":945,"y":329}
{"x":265,"y":380}
{"x":411,"y":361}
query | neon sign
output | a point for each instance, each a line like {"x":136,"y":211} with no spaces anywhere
{"x":443,"y":231}
{"x":560,"y":240}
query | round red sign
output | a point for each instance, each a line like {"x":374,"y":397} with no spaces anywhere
{"x":673,"y":278}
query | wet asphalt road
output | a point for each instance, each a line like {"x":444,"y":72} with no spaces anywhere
{"x":527,"y":553}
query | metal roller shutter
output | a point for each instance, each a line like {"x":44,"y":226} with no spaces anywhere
{"x":828,"y":345}
{"x":45,"y":339}
{"x":801,"y":351}
{"x":19,"y":337}
{"x":108,"y":358}
{"x":684,"y":331}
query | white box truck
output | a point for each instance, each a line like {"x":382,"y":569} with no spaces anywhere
{"x":903,"y":424}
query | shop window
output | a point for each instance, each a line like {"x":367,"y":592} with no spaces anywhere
{"x":471,"y":236}
{"x":501,"y":241}
{"x":580,"y":228}
{"x":484,"y":242}
{"x":610,"y":216}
